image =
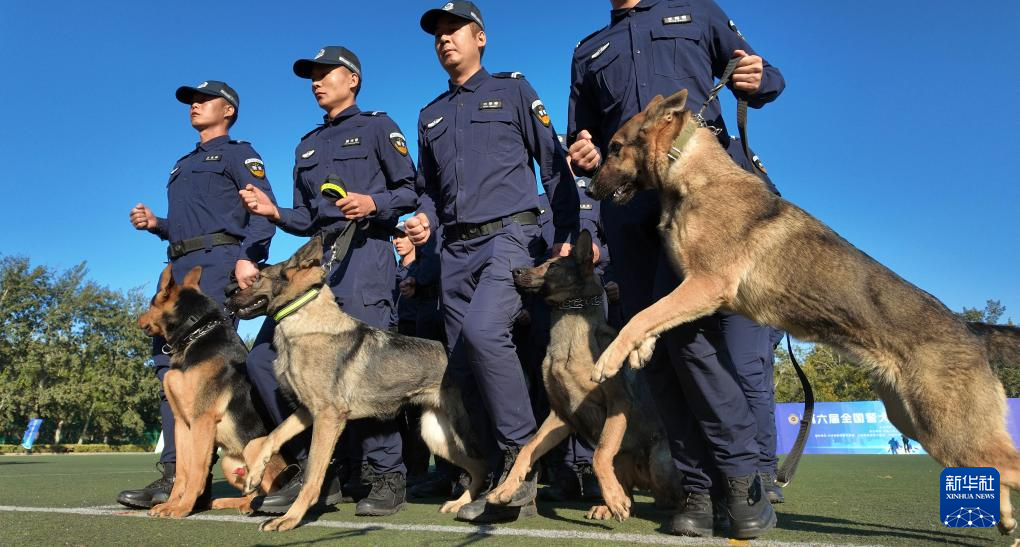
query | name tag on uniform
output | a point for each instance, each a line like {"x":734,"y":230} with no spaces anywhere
{"x":213,"y":157}
{"x":586,"y":206}
{"x":677,"y":19}
{"x":352,"y":141}
{"x":490,"y":105}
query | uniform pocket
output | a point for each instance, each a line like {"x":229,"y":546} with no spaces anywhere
{"x":675,"y":48}
{"x":208,"y":177}
{"x":351,"y":164}
{"x":612,"y":78}
{"x":440,"y":144}
{"x":492,"y":130}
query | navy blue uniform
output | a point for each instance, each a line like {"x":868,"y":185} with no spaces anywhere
{"x":425,"y":271}
{"x":368,"y":152}
{"x":658,"y":48}
{"x":202,"y":200}
{"x":478,"y":144}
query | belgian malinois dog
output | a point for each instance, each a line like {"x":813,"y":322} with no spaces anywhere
{"x":617,"y":415}
{"x":746,"y":250}
{"x":209,"y":395}
{"x":341,"y":369}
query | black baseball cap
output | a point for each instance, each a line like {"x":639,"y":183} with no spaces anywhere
{"x":213,"y":88}
{"x":464,"y":10}
{"x":329,"y":55}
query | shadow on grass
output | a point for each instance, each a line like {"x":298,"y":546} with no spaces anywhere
{"x":841,"y":527}
{"x":20,"y":463}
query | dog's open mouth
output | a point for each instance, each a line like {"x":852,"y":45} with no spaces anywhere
{"x":253,"y":309}
{"x":624,"y":193}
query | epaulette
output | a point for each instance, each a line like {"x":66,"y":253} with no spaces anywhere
{"x":308,"y":134}
{"x":373,"y":113}
{"x":239,"y":142}
{"x":514,"y":75}
{"x":434,"y":101}
{"x":588,"y":37}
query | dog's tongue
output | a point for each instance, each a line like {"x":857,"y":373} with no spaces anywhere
{"x":239,"y":471}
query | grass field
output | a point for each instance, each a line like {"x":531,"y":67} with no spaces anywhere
{"x":860,"y":500}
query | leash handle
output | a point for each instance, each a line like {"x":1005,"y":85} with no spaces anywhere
{"x":741,"y":111}
{"x":789,"y":467}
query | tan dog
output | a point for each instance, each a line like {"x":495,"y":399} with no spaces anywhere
{"x":617,"y":415}
{"x":209,"y":395}
{"x":746,"y":250}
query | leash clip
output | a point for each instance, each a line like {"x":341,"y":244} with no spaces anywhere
{"x":166,"y":349}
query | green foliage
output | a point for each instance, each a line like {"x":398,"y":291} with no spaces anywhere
{"x":992,"y":312}
{"x":72,"y":354}
{"x":74,"y":448}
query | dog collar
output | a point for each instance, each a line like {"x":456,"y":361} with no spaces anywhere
{"x":296,"y":304}
{"x":181,"y":344}
{"x":682,"y":139}
{"x":581,"y":303}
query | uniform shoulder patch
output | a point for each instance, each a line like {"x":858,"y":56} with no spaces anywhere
{"x":399,"y":142}
{"x":255,"y":167}
{"x":514,"y":75}
{"x":374,"y":113}
{"x":540,"y":112}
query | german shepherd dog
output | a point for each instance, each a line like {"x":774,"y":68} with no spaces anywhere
{"x":209,"y":395}
{"x":341,"y":369}
{"x":617,"y":415}
{"x":743,"y":249}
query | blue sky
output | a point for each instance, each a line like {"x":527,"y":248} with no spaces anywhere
{"x":897,"y":127}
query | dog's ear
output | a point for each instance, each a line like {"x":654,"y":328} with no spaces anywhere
{"x":310,"y":254}
{"x":166,"y":281}
{"x":674,"y":105}
{"x":582,"y":252}
{"x":194,"y":276}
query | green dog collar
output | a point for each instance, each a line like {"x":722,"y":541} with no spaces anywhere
{"x":296,"y":305}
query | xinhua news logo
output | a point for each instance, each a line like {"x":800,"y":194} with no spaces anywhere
{"x":970,"y":497}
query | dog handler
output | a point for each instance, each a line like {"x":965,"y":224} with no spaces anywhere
{"x":712,"y":379}
{"x":477,"y":142}
{"x":368,"y":153}
{"x":207,"y":227}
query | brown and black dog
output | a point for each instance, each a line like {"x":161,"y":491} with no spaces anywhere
{"x":746,"y":250}
{"x":617,"y":415}
{"x":209,"y":394}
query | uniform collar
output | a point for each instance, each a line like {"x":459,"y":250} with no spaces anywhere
{"x":642,"y":6}
{"x":212,"y":143}
{"x":343,"y":115}
{"x":473,"y":82}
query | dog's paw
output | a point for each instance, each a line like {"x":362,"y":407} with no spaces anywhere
{"x":157,"y":510}
{"x":280,"y":524}
{"x":253,"y":479}
{"x":503,"y":493}
{"x":453,"y":506}
{"x":618,"y":502}
{"x":1006,"y":525}
{"x":643,"y":354}
{"x":608,"y":364}
{"x":599,"y":512}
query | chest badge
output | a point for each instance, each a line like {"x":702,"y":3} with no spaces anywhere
{"x":433,"y":123}
{"x":490,"y":105}
{"x":352,"y":141}
{"x":255,"y":167}
{"x":307,"y":154}
{"x":677,"y":19}
{"x":213,"y":157}
{"x":600,"y":50}
{"x":539,"y":109}
{"x":399,"y":142}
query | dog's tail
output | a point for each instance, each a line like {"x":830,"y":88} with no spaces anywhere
{"x":789,"y":467}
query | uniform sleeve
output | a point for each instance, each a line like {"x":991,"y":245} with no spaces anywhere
{"x":581,"y":111}
{"x":398,"y":170}
{"x":247,"y":168}
{"x":160,"y":230}
{"x":540,"y":139}
{"x":298,"y":219}
{"x":425,"y":268}
{"x":426,"y":184}
{"x":725,"y":39}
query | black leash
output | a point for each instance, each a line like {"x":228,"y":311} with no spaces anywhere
{"x":341,"y":245}
{"x":741,"y":112}
{"x":789,"y":467}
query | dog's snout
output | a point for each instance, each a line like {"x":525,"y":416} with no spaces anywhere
{"x":519,"y":272}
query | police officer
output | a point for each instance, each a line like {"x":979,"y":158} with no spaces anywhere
{"x":654,"y":47}
{"x":365,"y":152}
{"x":477,"y":142}
{"x":206,"y":227}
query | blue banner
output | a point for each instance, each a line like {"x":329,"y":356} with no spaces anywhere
{"x":31,"y":434}
{"x":857,"y":427}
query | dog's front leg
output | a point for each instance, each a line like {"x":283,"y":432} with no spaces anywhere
{"x":287,"y":430}
{"x":203,"y":437}
{"x":694,"y":298}
{"x":182,"y":439}
{"x":550,"y":434}
{"x":326,"y":429}
{"x":617,"y":500}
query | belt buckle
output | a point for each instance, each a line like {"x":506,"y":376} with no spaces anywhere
{"x":176,"y":248}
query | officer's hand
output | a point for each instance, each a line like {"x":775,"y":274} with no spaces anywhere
{"x":407,"y":287}
{"x":142,"y":217}
{"x":596,"y":253}
{"x":562,"y":249}
{"x":612,"y":291}
{"x":747,"y":76}
{"x":257,"y":202}
{"x":417,"y":229}
{"x":584,"y":155}
{"x":246,"y":273}
{"x":356,"y":206}
{"x":523,"y":319}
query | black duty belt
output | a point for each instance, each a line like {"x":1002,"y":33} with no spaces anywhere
{"x":465,"y":231}
{"x":369,"y":229}
{"x":208,"y":241}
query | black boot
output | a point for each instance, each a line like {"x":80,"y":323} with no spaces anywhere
{"x":695,"y":516}
{"x":564,"y":485}
{"x":772,"y":490}
{"x":386,"y":497}
{"x":590,"y":489}
{"x":748,"y":507}
{"x":158,"y":491}
{"x":437,"y":484}
{"x":358,"y":484}
{"x":279,"y":502}
{"x":522,"y":504}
